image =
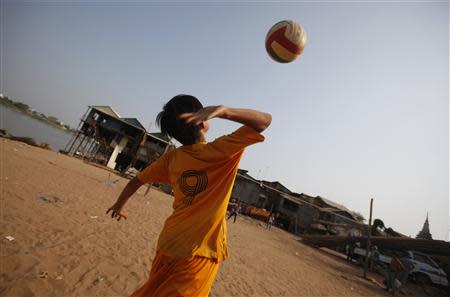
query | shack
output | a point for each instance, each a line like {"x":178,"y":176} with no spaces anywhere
{"x":296,"y":213}
{"x":248,"y":190}
{"x":104,"y":137}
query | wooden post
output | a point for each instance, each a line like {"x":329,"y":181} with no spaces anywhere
{"x":368,"y":240}
{"x":84,"y":137}
{"x":96,"y":149}
{"x":90,"y":149}
{"x":83,"y":149}
{"x":138,"y":144}
{"x":72,"y":141}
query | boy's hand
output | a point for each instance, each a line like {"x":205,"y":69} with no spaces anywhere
{"x":129,"y":190}
{"x":255,"y":119}
{"x":204,"y":114}
{"x":116,"y":212}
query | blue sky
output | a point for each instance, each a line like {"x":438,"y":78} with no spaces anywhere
{"x":362,"y":113}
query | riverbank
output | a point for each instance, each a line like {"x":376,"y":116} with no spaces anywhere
{"x":19,"y":126}
{"x":30,"y":141}
{"x":57,"y":241}
{"x":36,"y":116}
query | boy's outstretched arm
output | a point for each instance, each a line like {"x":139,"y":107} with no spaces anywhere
{"x":256,"y":119}
{"x":116,"y":210}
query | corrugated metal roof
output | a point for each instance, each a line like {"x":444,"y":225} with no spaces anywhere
{"x":335,"y":207}
{"x":107,"y":110}
{"x":245,"y":174}
{"x":299,"y":200}
{"x":160,"y":136}
{"x":334,"y":204}
{"x":277,"y":185}
{"x":155,"y":135}
{"x":134,"y":122}
{"x":131,"y":121}
{"x":111,"y":112}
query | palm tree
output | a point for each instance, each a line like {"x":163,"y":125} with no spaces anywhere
{"x":377,"y":226}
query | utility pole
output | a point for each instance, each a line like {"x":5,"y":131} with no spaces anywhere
{"x":366,"y":264}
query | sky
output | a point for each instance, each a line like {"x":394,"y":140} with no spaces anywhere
{"x":363,"y":113}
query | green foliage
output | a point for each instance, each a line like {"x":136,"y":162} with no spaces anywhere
{"x":21,"y":106}
{"x":6,"y":100}
{"x":24,"y":108}
{"x":359,"y":217}
{"x":376,"y":226}
{"x":379,"y":224}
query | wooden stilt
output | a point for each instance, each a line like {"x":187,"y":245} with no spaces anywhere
{"x":81,"y":142}
{"x":80,"y":124}
{"x":73,"y":143}
{"x":83,"y":150}
{"x":366,"y":263}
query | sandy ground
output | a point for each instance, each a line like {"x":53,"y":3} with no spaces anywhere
{"x":64,"y":244}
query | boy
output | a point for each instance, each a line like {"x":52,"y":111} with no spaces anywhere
{"x":234,"y":212}
{"x":193,"y":240}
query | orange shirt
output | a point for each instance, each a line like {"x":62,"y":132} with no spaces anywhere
{"x":202,"y":176}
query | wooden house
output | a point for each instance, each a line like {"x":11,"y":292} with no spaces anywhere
{"x":106,"y":138}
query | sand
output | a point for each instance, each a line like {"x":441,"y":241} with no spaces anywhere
{"x":64,"y":244}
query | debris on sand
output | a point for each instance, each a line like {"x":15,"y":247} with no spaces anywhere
{"x":48,"y":199}
{"x":9,"y":238}
{"x":99,"y":279}
{"x":109,"y":181}
{"x":43,"y":274}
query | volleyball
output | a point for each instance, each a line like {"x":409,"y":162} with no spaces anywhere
{"x":285,"y":41}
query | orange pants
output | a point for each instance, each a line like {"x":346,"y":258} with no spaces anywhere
{"x":172,"y":277}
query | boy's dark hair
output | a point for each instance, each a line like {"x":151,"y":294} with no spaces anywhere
{"x":170,"y":123}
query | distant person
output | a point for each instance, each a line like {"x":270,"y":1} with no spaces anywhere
{"x":192,"y":242}
{"x":408,"y":266}
{"x":350,"y":244}
{"x":270,"y":221}
{"x":395,"y":269}
{"x":234,"y":212}
{"x":374,"y":256}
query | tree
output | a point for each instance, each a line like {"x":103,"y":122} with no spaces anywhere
{"x":359,"y":217}
{"x":6,"y":99}
{"x":21,"y":106}
{"x":377,"y":224}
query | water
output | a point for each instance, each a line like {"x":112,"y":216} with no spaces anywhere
{"x":19,"y":124}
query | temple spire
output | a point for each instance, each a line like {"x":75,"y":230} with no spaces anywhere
{"x":425,"y":232}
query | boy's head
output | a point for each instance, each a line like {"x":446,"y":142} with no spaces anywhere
{"x":170,"y":123}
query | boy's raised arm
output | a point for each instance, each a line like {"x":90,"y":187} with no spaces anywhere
{"x":156,"y":172}
{"x":257,"y":120}
{"x":116,"y":210}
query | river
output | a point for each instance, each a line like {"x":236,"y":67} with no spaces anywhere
{"x":19,"y":124}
